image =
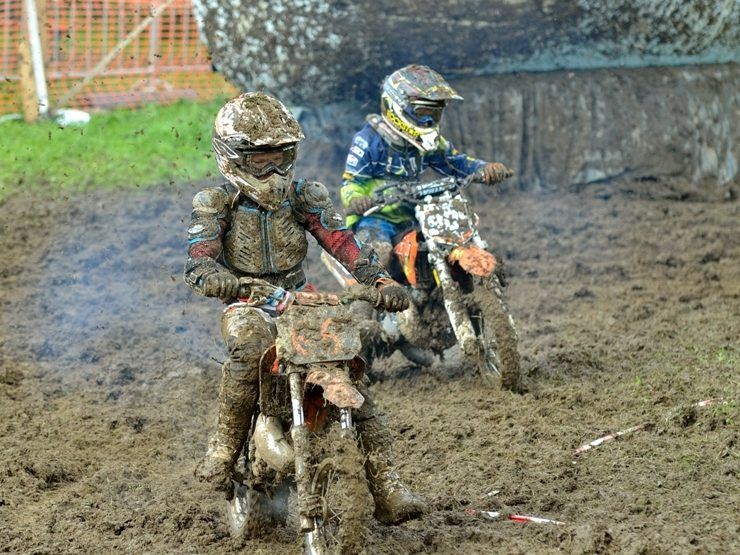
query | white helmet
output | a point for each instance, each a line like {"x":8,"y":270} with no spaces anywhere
{"x":255,"y":138}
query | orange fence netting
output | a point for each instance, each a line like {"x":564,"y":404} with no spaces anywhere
{"x":165,"y":62}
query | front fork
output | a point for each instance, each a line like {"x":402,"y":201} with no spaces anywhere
{"x":458,"y":314}
{"x":299,"y":434}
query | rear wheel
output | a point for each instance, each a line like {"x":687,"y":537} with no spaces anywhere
{"x":346,"y":503}
{"x":499,"y":354}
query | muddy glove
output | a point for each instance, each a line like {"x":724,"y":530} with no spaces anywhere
{"x":495,"y":172}
{"x":360,"y":205}
{"x":395,"y":298}
{"x":224,"y":285}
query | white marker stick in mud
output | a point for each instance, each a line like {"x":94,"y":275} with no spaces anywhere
{"x":707,"y":402}
{"x":537,"y":520}
{"x":609,"y":437}
{"x":495,"y":515}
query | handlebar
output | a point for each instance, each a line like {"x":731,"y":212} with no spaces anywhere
{"x":414,"y":191}
{"x":264,"y":293}
{"x":373,"y":210}
{"x":363,"y":293}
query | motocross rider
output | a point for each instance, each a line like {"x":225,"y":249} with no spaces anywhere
{"x":400,"y":144}
{"x":255,"y":225}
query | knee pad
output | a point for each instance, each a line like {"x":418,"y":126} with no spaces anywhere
{"x":384,"y":250}
{"x":241,"y":373}
{"x":248,"y":332}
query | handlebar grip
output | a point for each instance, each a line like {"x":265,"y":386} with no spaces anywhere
{"x":251,"y":286}
{"x":245,"y":290}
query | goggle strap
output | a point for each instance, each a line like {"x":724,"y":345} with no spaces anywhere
{"x":248,"y":151}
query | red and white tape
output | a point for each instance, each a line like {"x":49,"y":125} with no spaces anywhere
{"x":523,"y":519}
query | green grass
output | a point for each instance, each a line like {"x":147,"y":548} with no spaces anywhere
{"x":122,"y":148}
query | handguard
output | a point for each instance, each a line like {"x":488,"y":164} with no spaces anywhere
{"x":258,"y":292}
{"x":367,"y":268}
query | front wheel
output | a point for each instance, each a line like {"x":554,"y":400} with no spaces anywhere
{"x":245,"y":513}
{"x":346,"y":504}
{"x":498,"y":360}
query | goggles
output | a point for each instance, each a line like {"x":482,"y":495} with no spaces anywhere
{"x":425,"y":113}
{"x":258,"y":162}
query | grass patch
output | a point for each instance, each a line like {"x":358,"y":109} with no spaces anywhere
{"x":122,"y":148}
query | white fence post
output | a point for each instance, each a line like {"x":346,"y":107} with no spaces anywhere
{"x":37,"y":57}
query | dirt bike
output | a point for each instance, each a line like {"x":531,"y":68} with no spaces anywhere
{"x":454,"y":283}
{"x":307,"y":385}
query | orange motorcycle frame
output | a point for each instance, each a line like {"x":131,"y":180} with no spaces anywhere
{"x":407,"y":251}
{"x":471,"y":258}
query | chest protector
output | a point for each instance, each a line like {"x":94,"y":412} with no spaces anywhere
{"x":259,"y":241}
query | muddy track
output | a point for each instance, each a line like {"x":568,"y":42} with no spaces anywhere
{"x":628,"y":311}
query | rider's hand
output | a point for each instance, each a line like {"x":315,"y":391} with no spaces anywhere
{"x":224,"y":285}
{"x":360,"y":205}
{"x":395,"y":298}
{"x":495,"y":172}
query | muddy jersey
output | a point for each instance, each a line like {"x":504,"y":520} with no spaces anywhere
{"x":230,"y":232}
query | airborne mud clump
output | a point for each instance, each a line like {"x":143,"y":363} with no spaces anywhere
{"x":627,"y":308}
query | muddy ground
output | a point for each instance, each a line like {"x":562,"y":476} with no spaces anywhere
{"x":628,"y":309}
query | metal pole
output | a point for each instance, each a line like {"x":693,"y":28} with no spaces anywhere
{"x":37,"y":57}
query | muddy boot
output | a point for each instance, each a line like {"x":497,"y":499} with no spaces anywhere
{"x":394,"y":501}
{"x":237,"y":400}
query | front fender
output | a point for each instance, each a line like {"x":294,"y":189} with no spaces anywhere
{"x":337,"y":385}
{"x":473,"y":260}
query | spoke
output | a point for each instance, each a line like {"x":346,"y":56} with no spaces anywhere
{"x":492,"y":366}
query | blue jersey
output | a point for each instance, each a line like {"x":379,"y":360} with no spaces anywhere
{"x":372,"y":160}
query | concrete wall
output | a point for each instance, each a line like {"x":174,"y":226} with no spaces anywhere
{"x":583,"y":127}
{"x":308,"y":51}
{"x":568,"y":92}
{"x":574,"y":128}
